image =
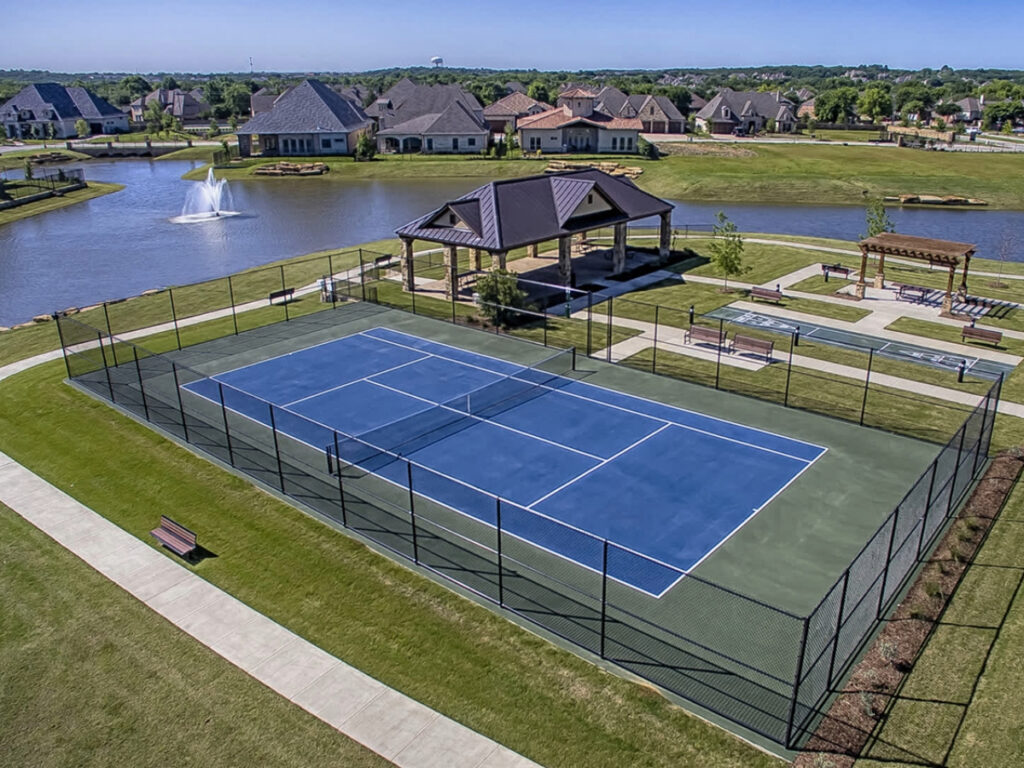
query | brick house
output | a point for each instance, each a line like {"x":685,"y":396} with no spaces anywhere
{"x":578,"y":125}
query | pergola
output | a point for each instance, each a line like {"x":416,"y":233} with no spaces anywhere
{"x":944,"y":253}
{"x":516,"y":213}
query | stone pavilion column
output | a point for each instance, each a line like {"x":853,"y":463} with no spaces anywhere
{"x":406,"y":265}
{"x":475,"y":261}
{"x":619,"y":249}
{"x":498,"y":260}
{"x":451,"y":260}
{"x":665,"y":235}
{"x":565,"y":259}
{"x":531,"y":251}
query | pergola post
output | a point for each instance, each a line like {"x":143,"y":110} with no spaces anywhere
{"x":451,"y":259}
{"x":475,"y":260}
{"x":665,"y":235}
{"x":407,"y":265}
{"x":619,"y":249}
{"x":565,"y":259}
{"x":858,"y":290}
{"x":880,"y":272}
{"x":963,"y":281}
{"x":947,"y":300}
{"x":497,"y":259}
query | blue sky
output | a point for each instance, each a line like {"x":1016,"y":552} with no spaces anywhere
{"x":319,"y":35}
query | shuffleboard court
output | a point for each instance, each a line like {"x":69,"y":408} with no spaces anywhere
{"x":573,"y":463}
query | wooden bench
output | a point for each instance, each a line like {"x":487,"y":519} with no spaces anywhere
{"x":912,"y":293}
{"x":981,"y":334}
{"x":701,"y":334}
{"x":766,"y":293}
{"x":285,"y":294}
{"x":835,"y":269}
{"x":741,"y":343}
{"x":175,"y":537}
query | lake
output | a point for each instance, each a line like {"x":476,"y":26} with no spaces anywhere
{"x":122,"y":244}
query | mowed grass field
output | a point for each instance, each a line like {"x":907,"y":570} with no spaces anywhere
{"x":960,"y":705}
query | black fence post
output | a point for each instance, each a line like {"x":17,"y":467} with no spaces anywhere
{"x":927,"y":508}
{"x":142,"y":388}
{"x":412,"y":516}
{"x":174,"y":317}
{"x":867,"y":384}
{"x":796,"y":685}
{"x":501,"y":568}
{"x":654,"y":351}
{"x":608,"y":333}
{"x":277,"y":448}
{"x":839,"y":627}
{"x":888,"y":560}
{"x":106,"y":368}
{"x":110,"y":333}
{"x":718,"y":358}
{"x":981,"y":431}
{"x":341,"y":488}
{"x":63,"y":345}
{"x":227,"y":428}
{"x":789,"y":370}
{"x":590,"y":323}
{"x":604,"y":594}
{"x":362,"y":275}
{"x":181,"y":404}
{"x":956,"y":470}
{"x":330,"y":277}
{"x":231,"y":298}
{"x":284,"y":299}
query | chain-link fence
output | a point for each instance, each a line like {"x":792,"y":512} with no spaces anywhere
{"x":755,"y":664}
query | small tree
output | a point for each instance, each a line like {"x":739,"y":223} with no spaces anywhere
{"x":233,"y":122}
{"x":51,"y":131}
{"x":28,"y":170}
{"x":154,"y":115}
{"x":213,"y":130}
{"x":82,"y":128}
{"x":366,"y":147}
{"x":877,"y":218}
{"x":500,"y":295}
{"x":1005,"y":249}
{"x":727,"y":249}
{"x":940,"y":124}
{"x":510,"y":139}
{"x":770,"y":126}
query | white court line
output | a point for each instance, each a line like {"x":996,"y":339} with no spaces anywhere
{"x":595,"y":468}
{"x":584,"y":398}
{"x":354,"y":381}
{"x":587,"y":534}
{"x":488,"y":421}
{"x":285,"y":354}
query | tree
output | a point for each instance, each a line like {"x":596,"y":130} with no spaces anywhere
{"x":510,"y":138}
{"x":835,"y":106}
{"x":213,"y":130}
{"x":169,"y":83}
{"x":154,"y":115}
{"x":499,"y":296}
{"x":877,"y":218}
{"x":81,"y":128}
{"x":940,"y":124}
{"x":646,"y":149}
{"x":366,"y":147}
{"x":947,"y":109}
{"x":876,"y":103}
{"x":1005,"y":249}
{"x":51,"y":131}
{"x":233,"y":122}
{"x":727,"y":249}
{"x":770,"y":125}
{"x":537,"y":90}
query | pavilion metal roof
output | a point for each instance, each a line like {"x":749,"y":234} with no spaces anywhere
{"x":512,"y":213}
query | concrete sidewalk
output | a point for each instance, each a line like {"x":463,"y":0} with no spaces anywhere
{"x":378,"y":717}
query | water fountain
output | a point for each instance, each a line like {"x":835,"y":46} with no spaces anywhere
{"x":206,"y":201}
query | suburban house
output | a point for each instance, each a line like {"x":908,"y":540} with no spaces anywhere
{"x":429,"y":118}
{"x":184,"y":105}
{"x":578,"y":125}
{"x":509,"y":109}
{"x":657,"y":114}
{"x":971,"y":109}
{"x":746,"y":112}
{"x":806,"y":109}
{"x":697,"y":103}
{"x":309,"y":119}
{"x":263,"y":99}
{"x":47,"y":109}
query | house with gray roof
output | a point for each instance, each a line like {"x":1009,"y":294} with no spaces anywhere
{"x":429,"y":118}
{"x":746,"y":112}
{"x":187,"y":106}
{"x":509,"y":109}
{"x":310,"y":119}
{"x":47,"y":109}
{"x":657,"y":114}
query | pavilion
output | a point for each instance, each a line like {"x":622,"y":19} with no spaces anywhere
{"x":516,"y":213}
{"x":945,"y":253}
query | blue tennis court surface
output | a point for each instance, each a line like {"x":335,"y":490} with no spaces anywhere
{"x":662,"y":482}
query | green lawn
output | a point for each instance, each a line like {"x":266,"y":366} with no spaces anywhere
{"x":964,"y":695}
{"x":141,"y":136}
{"x":405,"y":630}
{"x":95,"y":189}
{"x":841,"y":135}
{"x":92,"y":677}
{"x":16,"y":159}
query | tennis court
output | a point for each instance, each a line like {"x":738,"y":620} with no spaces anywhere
{"x":573,"y":463}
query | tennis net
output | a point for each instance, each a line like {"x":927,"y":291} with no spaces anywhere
{"x":407,"y":435}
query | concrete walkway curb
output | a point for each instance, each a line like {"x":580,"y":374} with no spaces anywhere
{"x":391,"y":724}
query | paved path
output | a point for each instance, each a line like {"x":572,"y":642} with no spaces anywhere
{"x":380,"y":718}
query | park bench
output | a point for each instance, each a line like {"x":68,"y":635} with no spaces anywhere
{"x":700,"y":334}
{"x":981,"y":334}
{"x":835,"y":269}
{"x":285,"y":295}
{"x":741,"y":343}
{"x":765,"y":293}
{"x":912,"y":293}
{"x":175,"y":537}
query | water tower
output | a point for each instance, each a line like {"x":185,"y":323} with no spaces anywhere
{"x":437,"y":61}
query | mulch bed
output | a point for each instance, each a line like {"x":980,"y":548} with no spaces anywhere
{"x":863,"y":702}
